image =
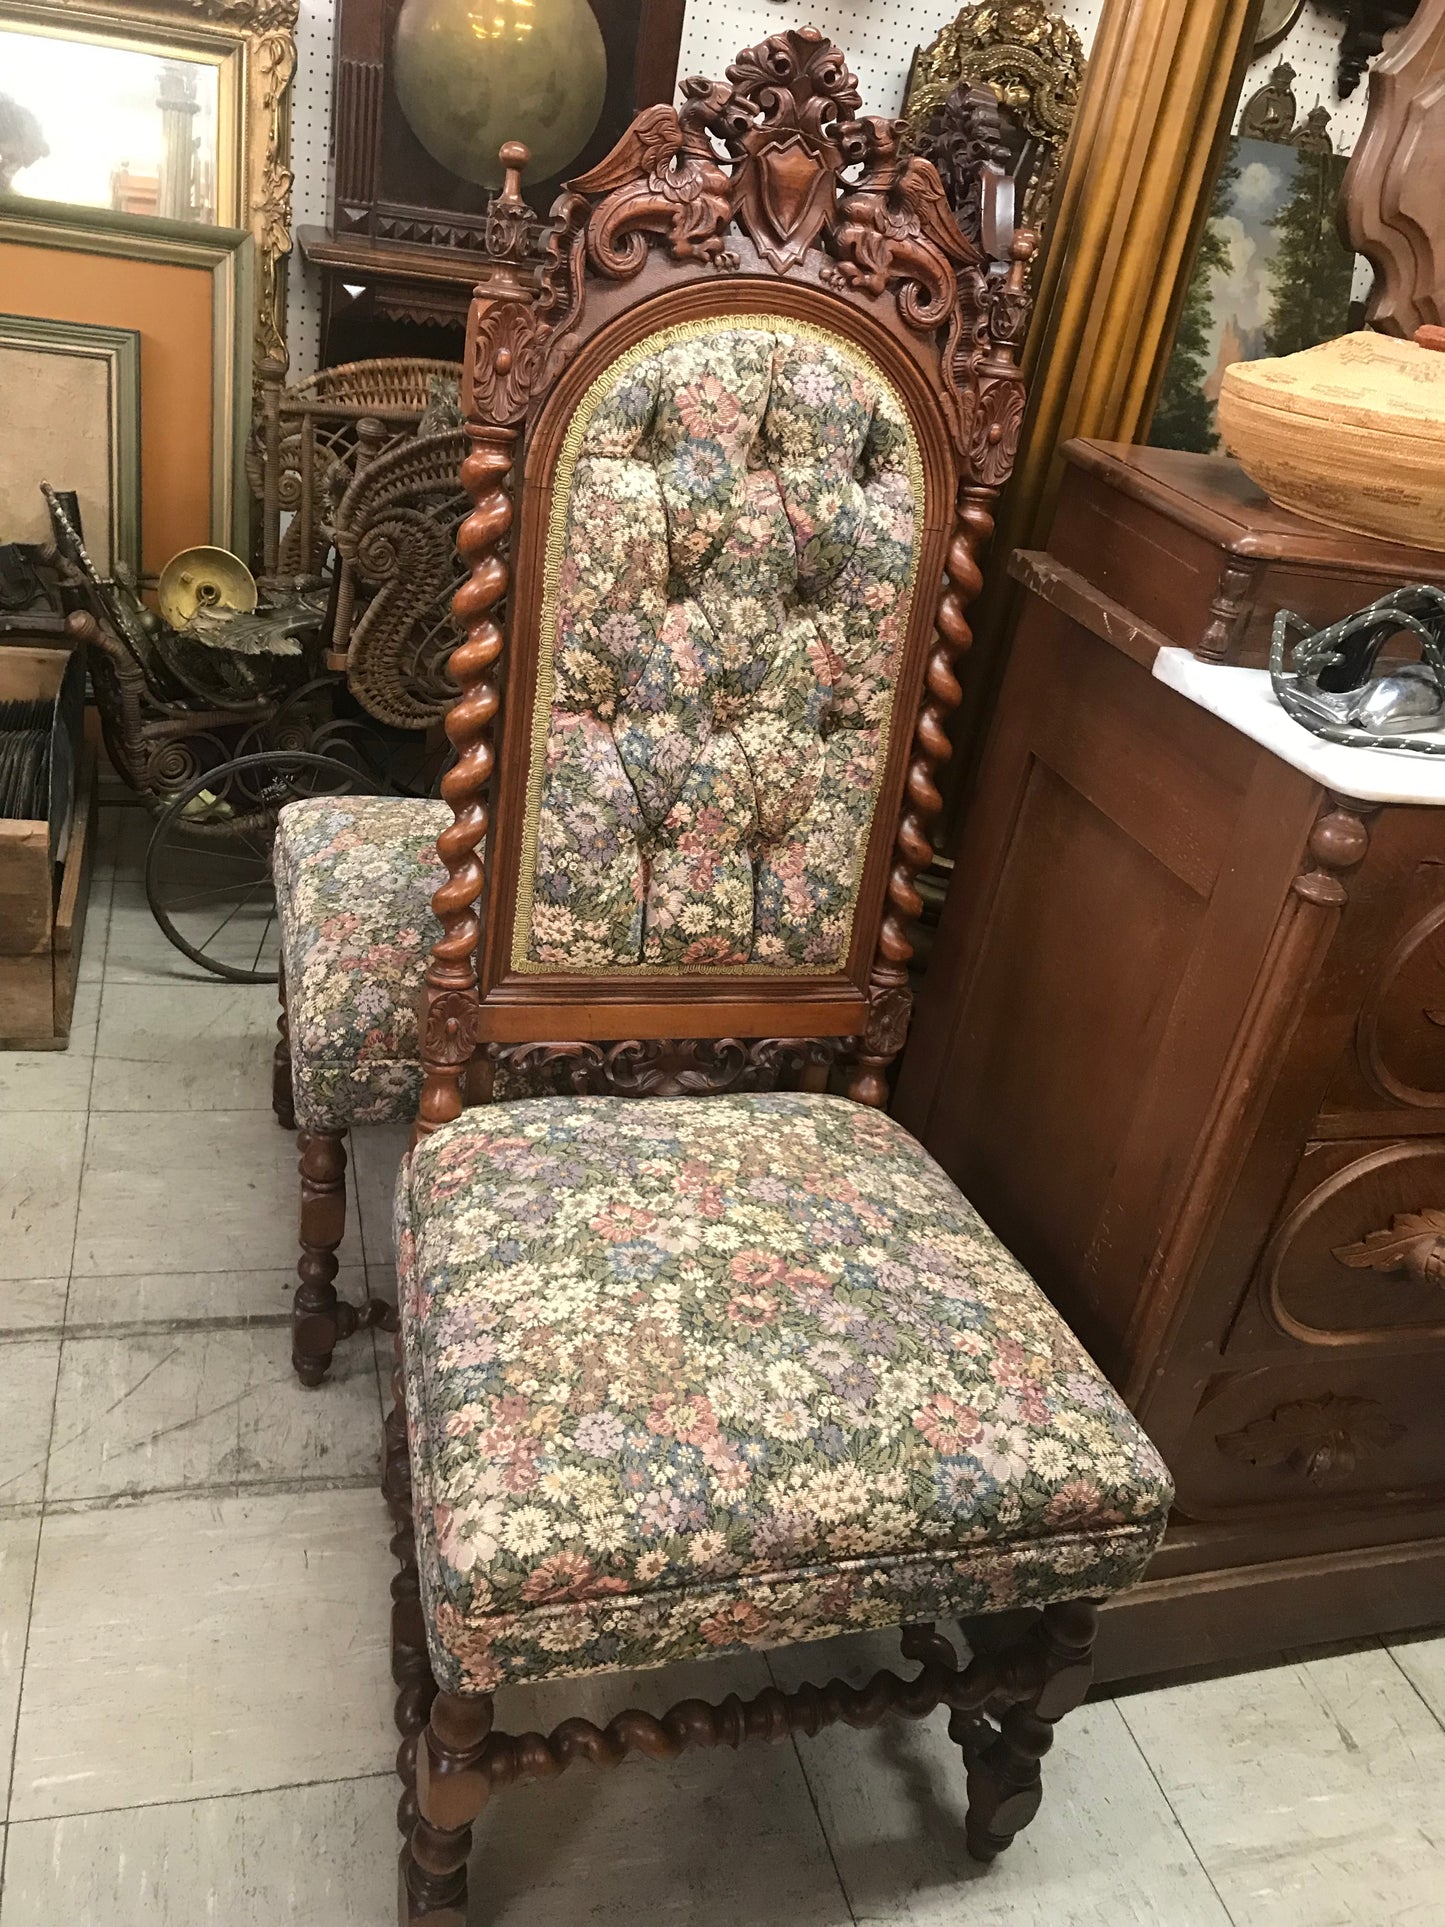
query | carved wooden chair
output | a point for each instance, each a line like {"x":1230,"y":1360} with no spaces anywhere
{"x":733,"y":1366}
{"x":355,"y":875}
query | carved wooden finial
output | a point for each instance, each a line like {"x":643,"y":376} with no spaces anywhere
{"x":513,"y":232}
{"x":514,"y":156}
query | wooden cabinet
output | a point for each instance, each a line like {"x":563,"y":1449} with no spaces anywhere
{"x":1183,"y":1043}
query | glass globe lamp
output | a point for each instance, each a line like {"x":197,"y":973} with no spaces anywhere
{"x":470,"y":74}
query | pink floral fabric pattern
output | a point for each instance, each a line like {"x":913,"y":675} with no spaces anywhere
{"x":688,"y":1376}
{"x":734,"y":592}
{"x":354,"y":879}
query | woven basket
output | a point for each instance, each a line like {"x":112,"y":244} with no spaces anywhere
{"x":1351,"y":433}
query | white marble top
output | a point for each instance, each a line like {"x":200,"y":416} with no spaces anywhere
{"x":1245,"y":698}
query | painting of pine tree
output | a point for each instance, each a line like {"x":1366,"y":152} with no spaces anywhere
{"x":1313,"y":272}
{"x":1272,"y":276}
{"x":1184,"y":417}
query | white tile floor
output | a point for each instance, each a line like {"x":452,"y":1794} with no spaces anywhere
{"x":194,"y":1697}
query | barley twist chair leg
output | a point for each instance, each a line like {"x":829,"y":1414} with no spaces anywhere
{"x":410,"y":1664}
{"x":452,"y":1788}
{"x":1005,"y":1784}
{"x":283,"y":1096}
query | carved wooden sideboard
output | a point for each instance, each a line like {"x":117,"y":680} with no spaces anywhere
{"x":1183,"y":1044}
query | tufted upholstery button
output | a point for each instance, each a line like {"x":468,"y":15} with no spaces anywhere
{"x":737,"y":563}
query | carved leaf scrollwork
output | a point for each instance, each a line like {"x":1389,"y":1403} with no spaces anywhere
{"x":772,"y":149}
{"x":663,"y":178}
{"x":994,"y":429}
{"x":889,"y":1015}
{"x":1319,"y":1438}
{"x":663,"y":1066}
{"x":791,"y":122}
{"x":450,"y":1032}
{"x":506,"y":361}
{"x":1414,"y":1243}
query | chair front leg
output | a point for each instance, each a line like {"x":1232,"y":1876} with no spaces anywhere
{"x":452,"y":1787}
{"x":318,"y":1319}
{"x":283,"y":1095}
{"x":1005,"y":1784}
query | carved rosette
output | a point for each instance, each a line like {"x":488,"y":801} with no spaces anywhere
{"x":889,"y":1015}
{"x":504,"y":358}
{"x":450,"y":1032}
{"x":994,"y":431}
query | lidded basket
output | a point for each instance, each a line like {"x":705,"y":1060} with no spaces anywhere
{"x":1351,"y":433}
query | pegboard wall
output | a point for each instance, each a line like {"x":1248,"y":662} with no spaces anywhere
{"x":311,"y":189}
{"x":879,"y":37}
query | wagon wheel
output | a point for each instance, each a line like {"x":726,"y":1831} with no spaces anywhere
{"x":315,"y":718}
{"x":208,"y":868}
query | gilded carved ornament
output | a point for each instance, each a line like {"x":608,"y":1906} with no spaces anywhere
{"x":263,"y":32}
{"x":1033,"y":63}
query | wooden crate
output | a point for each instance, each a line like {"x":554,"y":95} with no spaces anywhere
{"x":42,"y":899}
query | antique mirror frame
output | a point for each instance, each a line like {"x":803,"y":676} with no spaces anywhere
{"x":1128,"y":211}
{"x":252,"y":46}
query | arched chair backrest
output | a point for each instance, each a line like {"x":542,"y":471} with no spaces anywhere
{"x":760,"y":412}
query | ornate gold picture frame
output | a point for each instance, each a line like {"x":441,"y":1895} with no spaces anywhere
{"x":1128,"y":209}
{"x":1033,"y":61}
{"x":244,"y":54}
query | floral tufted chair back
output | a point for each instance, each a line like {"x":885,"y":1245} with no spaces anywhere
{"x":736,"y":531}
{"x":732,"y":469}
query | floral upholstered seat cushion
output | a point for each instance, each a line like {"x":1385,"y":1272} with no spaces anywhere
{"x":731,"y":556}
{"x":354,"y":881}
{"x":691,"y":1375}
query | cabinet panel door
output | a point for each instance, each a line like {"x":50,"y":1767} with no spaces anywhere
{"x":1122,"y":869}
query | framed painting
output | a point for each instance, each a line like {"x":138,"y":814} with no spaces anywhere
{"x":168,"y":110}
{"x":186,"y":291}
{"x":70,"y":401}
{"x":1272,"y":276}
